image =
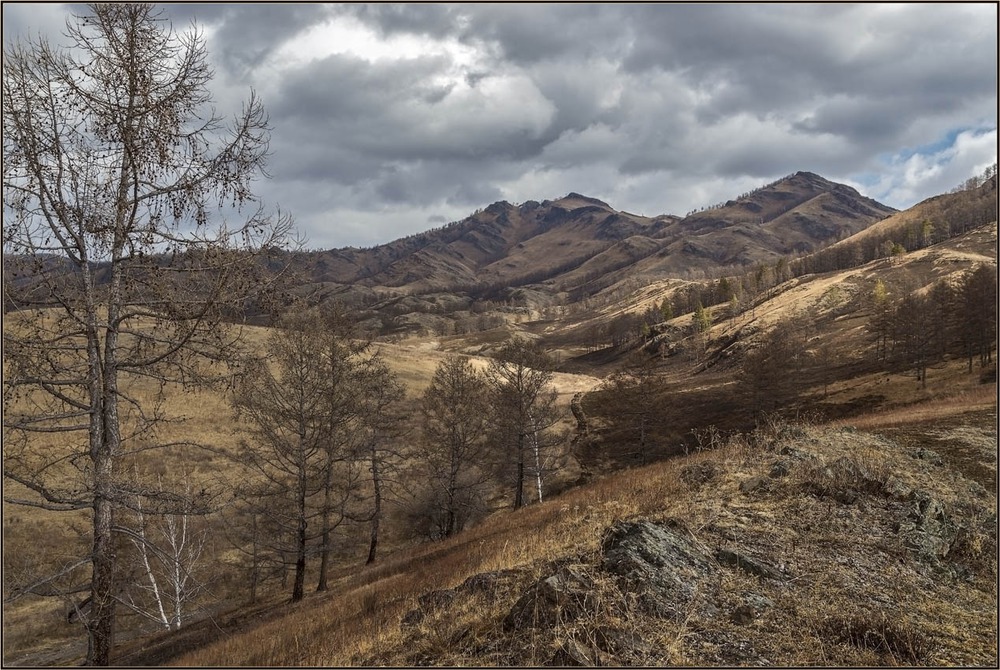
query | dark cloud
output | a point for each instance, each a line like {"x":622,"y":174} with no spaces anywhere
{"x":247,"y":34}
{"x":409,"y":114}
{"x":432,"y":20}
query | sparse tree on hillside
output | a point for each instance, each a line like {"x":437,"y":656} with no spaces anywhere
{"x":111,"y":170}
{"x":768,"y":370}
{"x":979,"y":314}
{"x":295,"y":401}
{"x":379,"y":426}
{"x":285,"y":455}
{"x":701,"y":320}
{"x":339,"y":358}
{"x":701,"y":323}
{"x":912,"y":334}
{"x":453,"y":459}
{"x":666,"y":310}
{"x":880,"y":323}
{"x":523,"y":408}
{"x":632,"y":401}
{"x":734,"y":309}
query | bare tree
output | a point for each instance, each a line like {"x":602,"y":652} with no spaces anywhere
{"x":978,"y":327}
{"x":769,"y":370}
{"x":632,"y":401}
{"x":111,"y":175}
{"x":880,"y":322}
{"x":912,"y":335}
{"x":338,"y":356}
{"x":169,"y":549}
{"x":293,"y":453}
{"x":453,"y":457}
{"x":379,"y":425}
{"x":523,"y":408}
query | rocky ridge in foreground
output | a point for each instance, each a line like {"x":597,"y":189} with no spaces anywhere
{"x":826,"y":546}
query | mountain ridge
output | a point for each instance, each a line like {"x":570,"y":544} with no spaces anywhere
{"x":546,"y":242}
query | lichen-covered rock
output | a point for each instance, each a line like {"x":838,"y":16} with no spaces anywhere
{"x":558,"y":598}
{"x":661,"y":562}
{"x":928,"y":530}
{"x":747,"y":564}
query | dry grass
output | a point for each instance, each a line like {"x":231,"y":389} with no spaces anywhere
{"x":796,"y":519}
{"x":976,"y":398}
{"x":849,"y":576}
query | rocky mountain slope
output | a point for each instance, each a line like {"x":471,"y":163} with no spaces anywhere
{"x":563,"y":244}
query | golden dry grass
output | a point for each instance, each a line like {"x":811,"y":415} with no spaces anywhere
{"x":823,"y":616}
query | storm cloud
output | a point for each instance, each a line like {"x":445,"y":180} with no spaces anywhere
{"x":390,"y":119}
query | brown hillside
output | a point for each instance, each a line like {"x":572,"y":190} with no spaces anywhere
{"x":791,"y":546}
{"x":796,"y":214}
{"x":581,"y":245}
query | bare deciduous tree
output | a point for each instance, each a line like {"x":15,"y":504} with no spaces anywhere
{"x":523,"y":408}
{"x":284,"y":398}
{"x":112,"y":172}
{"x":769,"y":370}
{"x":379,"y":425}
{"x":453,"y":458}
{"x":978,"y":329}
{"x":633,"y":398}
{"x":169,"y":549}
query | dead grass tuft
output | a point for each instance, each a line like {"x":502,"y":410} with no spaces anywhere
{"x":896,"y":642}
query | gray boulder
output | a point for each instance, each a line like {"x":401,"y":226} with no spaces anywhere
{"x":558,"y":598}
{"x":662,"y":563}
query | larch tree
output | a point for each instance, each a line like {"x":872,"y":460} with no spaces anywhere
{"x":978,"y":327}
{"x":339,"y":357}
{"x":769,"y":369}
{"x":453,"y":457}
{"x":379,"y":426}
{"x":912,"y":336}
{"x":282,"y":399}
{"x":523,"y":407}
{"x":113,"y":172}
{"x":632,"y":402}
{"x":880,"y":323}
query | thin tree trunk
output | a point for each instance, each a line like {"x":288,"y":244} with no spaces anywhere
{"x":519,"y":490}
{"x":298,"y":586}
{"x":451,"y":515}
{"x":377,"y":511}
{"x":144,"y":554}
{"x":538,"y":459}
{"x":324,"y":557}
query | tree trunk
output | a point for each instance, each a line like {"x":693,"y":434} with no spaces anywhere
{"x":538,"y":459}
{"x":451,"y":514}
{"x":519,"y":488}
{"x":105,"y":449}
{"x":101,"y":619}
{"x":377,"y":511}
{"x":298,"y":586}
{"x":324,"y":556}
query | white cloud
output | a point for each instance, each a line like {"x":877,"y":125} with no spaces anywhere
{"x":920,"y":175}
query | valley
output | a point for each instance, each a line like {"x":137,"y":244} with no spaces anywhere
{"x":825,"y":464}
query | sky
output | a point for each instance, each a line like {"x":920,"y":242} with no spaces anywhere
{"x":391,"y":119}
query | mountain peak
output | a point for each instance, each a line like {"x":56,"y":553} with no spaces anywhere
{"x":575,"y":200}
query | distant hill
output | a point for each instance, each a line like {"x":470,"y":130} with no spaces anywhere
{"x":580,"y":245}
{"x":502,"y":245}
